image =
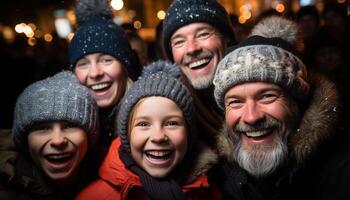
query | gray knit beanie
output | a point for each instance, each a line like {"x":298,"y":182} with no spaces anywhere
{"x":60,"y":97}
{"x":183,"y":12}
{"x":160,"y":78}
{"x":268,"y":55}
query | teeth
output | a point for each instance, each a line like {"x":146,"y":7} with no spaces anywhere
{"x":99,"y":86}
{"x":58,"y":156}
{"x":257,"y":133}
{"x":158,"y":153}
{"x":198,"y":63}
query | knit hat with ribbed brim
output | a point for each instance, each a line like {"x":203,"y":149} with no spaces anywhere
{"x":184,"y":12}
{"x":269,"y":55}
{"x":158,"y":79}
{"x":57,"y":98}
{"x":98,"y":34}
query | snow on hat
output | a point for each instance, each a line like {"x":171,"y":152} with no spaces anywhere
{"x":158,"y":79}
{"x":98,"y":34}
{"x":183,"y":12}
{"x":57,"y":98}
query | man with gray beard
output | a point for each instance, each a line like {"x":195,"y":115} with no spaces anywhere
{"x":281,"y":137}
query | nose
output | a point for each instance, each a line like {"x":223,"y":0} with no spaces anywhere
{"x":95,"y":70}
{"x":159,"y":135}
{"x":58,"y":139}
{"x":252,"y":113}
{"x":193,"y":46}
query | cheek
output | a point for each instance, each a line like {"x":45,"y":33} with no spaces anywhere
{"x":178,"y":54}
{"x":137,"y":140}
{"x":115,"y":71}
{"x":215,"y":45}
{"x":80,"y":140}
{"x":231,"y":117}
{"x":280,"y":111}
{"x":81,"y":75}
{"x":180,"y":140}
{"x":35,"y":143}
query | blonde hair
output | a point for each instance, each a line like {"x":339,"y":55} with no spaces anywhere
{"x":131,"y":118}
{"x":125,"y":84}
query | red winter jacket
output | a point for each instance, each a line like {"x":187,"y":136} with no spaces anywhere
{"x":117,"y":182}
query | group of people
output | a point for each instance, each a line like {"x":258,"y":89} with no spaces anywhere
{"x":217,"y":120}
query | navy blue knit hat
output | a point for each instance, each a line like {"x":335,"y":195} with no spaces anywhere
{"x":158,"y":79}
{"x":183,"y":12}
{"x":60,"y":97}
{"x":98,"y":34}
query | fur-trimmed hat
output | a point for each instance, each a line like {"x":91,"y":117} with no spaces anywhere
{"x":158,"y":79}
{"x":57,"y":98}
{"x":98,"y":34}
{"x":268,"y":55}
{"x":183,"y":12}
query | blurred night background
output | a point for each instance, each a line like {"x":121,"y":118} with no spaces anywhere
{"x":34,"y":34}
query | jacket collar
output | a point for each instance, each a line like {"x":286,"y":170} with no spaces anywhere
{"x":114,"y":171}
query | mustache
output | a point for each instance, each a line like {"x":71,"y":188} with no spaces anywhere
{"x":268,"y":123}
{"x":196,"y":56}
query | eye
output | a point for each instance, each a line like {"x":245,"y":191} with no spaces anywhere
{"x":204,"y":34}
{"x":234,"y":103}
{"x":178,"y":42}
{"x":142,"y":124}
{"x":268,"y":97}
{"x":106,"y":60}
{"x":40,"y":128}
{"x":82,"y":64}
{"x":172,"y":123}
{"x":69,"y":126}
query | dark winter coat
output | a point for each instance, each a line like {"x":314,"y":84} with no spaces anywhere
{"x":319,"y":163}
{"x":21,"y":179}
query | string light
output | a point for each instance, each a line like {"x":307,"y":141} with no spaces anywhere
{"x":117,"y":4}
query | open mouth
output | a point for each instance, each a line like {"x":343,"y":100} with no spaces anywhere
{"x":199,"y":63}
{"x":258,"y":134}
{"x":101,"y":87}
{"x":161,"y":155}
{"x":59,"y":158}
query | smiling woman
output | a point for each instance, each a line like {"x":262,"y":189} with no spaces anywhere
{"x":103,"y":61}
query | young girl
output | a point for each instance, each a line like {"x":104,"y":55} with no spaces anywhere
{"x":156,"y":155}
{"x":55,"y":124}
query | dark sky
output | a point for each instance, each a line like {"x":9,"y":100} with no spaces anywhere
{"x":14,"y":10}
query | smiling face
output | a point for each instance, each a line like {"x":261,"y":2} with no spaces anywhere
{"x":157,"y":135}
{"x":57,"y":148}
{"x":259,"y":118}
{"x":103,"y":75}
{"x":198,"y":48}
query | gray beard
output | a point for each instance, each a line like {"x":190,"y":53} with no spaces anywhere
{"x":202,"y":83}
{"x":262,"y":160}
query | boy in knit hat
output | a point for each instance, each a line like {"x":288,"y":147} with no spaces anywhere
{"x":281,"y":138}
{"x":157,"y":155}
{"x":196,"y":33}
{"x":55,"y":124}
